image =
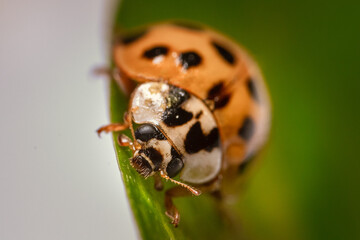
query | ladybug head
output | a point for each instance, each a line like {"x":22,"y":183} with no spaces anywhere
{"x":147,"y":159}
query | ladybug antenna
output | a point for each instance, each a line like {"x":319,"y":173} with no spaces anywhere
{"x":193,"y":190}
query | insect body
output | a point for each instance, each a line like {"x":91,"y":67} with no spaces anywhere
{"x":179,"y":133}
{"x":200,"y":109}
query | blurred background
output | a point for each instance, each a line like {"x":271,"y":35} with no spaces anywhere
{"x":59,"y":181}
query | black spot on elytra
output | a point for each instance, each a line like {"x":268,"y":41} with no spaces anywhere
{"x":154,"y":155}
{"x":189,"y":59}
{"x":247,"y":129}
{"x":142,"y":166}
{"x":222,"y":101}
{"x":130,"y":38}
{"x":196,"y":140}
{"x":155,"y":51}
{"x":217,"y":94}
{"x":177,"y":116}
{"x":189,"y":26}
{"x":198,"y":115}
{"x":252,"y":89}
{"x":225,"y":53}
{"x":177,"y":96}
{"x":216,"y":90}
{"x":174,"y":115}
{"x":146,"y":132}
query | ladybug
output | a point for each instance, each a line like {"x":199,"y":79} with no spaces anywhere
{"x":198,"y":110}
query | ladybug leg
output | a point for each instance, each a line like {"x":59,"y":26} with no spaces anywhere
{"x":125,"y":141}
{"x":102,"y":71}
{"x":112,"y":127}
{"x":158,"y":184}
{"x":116,"y":127}
{"x":181,"y":191}
{"x":171,"y":210}
{"x":126,"y":85}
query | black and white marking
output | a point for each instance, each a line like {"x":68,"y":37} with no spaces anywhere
{"x":176,"y":116}
{"x":154,"y":156}
{"x":193,"y":147}
{"x":196,"y":140}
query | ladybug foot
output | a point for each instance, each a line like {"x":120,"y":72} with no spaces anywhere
{"x":174,"y":217}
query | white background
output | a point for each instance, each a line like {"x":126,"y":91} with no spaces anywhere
{"x":58,"y":180}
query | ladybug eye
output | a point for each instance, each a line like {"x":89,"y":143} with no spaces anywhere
{"x":174,"y":167}
{"x":146,"y":132}
{"x":155,"y":51}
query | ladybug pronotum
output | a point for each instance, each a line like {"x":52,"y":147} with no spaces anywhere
{"x":199,"y":109}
